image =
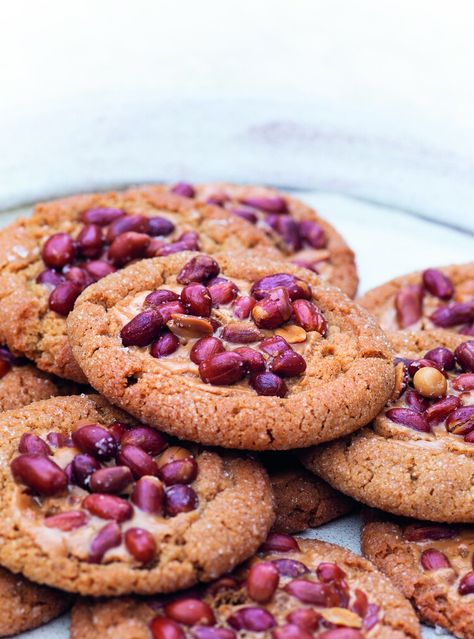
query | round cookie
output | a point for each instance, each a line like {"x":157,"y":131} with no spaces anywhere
{"x":431,"y":565}
{"x":47,"y":259}
{"x":294,"y":588}
{"x":441,"y":298}
{"x":417,"y":458}
{"x":305,"y":344}
{"x":302,"y":500}
{"x":296,"y":228}
{"x":109,"y":508}
{"x":25,"y":605}
{"x":22,"y":383}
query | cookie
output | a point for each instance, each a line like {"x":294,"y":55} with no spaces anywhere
{"x":47,"y":259}
{"x":22,"y":383}
{"x":25,"y":605}
{"x":95,"y":504}
{"x":437,"y":298}
{"x":302,"y":500}
{"x":431,"y":565}
{"x":294,"y":588}
{"x":417,"y":458}
{"x":296,"y":228}
{"x":255,"y":354}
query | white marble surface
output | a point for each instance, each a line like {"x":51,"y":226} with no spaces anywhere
{"x":367,"y":106}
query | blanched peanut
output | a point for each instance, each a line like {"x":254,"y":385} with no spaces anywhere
{"x":430,"y":382}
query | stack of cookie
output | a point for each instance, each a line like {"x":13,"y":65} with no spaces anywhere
{"x":216,"y":334}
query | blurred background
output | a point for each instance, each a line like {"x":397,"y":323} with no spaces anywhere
{"x":367,"y":99}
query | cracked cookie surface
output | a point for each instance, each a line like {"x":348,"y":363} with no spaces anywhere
{"x":311,"y":346}
{"x":48,"y":258}
{"x":417,"y":458}
{"x":294,"y":227}
{"x":293,"y":588}
{"x":430,"y":564}
{"x":94,"y":503}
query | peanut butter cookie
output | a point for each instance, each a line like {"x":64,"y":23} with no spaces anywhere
{"x":417,"y":458}
{"x":294,"y":588}
{"x":437,"y":298}
{"x":25,"y":605}
{"x":299,"y":232}
{"x":302,"y":500}
{"x":431,"y":565}
{"x":96,"y":504}
{"x":49,"y":258}
{"x":21,"y":383}
{"x":235,"y":351}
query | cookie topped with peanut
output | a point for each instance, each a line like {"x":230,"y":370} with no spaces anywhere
{"x":48,"y":259}
{"x":96,"y":503}
{"x":292,"y":589}
{"x":259,"y":351}
{"x":22,"y":383}
{"x":419,"y":451}
{"x":436,"y":395}
{"x":229,"y":331}
{"x":300,"y":233}
{"x":431,"y":564}
{"x":436,"y":298}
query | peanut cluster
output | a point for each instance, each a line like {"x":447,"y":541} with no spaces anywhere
{"x":277,"y":313}
{"x":436,"y":391}
{"x":100,"y":474}
{"x":409,"y":303}
{"x":278,"y":593}
{"x":108,"y":240}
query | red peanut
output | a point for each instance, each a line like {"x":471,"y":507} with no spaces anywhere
{"x":408,"y":304}
{"x":149,"y":495}
{"x":222,"y":369}
{"x":39,"y":473}
{"x":190,"y":612}
{"x":67,"y":521}
{"x":110,"y":536}
{"x":280,"y":542}
{"x":262,"y":581}
{"x":139,"y":461}
{"x":198,"y":269}
{"x":108,"y":507}
{"x":309,"y":317}
{"x":140,"y":544}
{"x":433,"y":559}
